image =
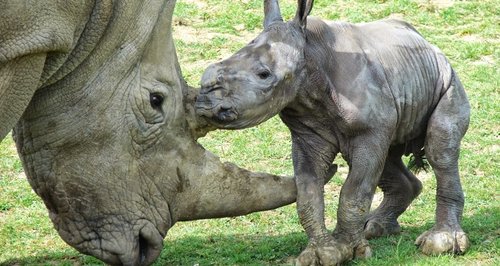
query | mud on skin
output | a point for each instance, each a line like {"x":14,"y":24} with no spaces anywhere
{"x":372,"y":92}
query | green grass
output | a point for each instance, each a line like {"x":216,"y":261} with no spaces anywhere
{"x":206,"y":31}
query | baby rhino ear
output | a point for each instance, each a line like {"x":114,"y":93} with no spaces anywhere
{"x":303,"y":10}
{"x":272,"y":12}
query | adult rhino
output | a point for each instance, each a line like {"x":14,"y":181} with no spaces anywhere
{"x":105,"y":127}
{"x":372,"y":92}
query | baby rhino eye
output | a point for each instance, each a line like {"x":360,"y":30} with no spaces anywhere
{"x":264,"y":74}
{"x":156,"y":100}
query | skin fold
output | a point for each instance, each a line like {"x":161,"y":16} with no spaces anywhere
{"x":372,"y":92}
{"x":106,"y":128}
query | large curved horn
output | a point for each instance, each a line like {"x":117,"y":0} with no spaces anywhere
{"x":272,"y":12}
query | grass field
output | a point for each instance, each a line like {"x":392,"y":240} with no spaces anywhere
{"x":468,"y":32}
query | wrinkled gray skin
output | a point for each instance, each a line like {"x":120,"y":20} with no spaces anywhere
{"x":106,"y":128}
{"x":372,"y":92}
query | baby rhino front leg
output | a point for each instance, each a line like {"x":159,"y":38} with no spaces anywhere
{"x":322,"y":249}
{"x":348,"y":239}
{"x":309,"y":169}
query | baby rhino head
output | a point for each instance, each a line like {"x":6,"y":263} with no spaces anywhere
{"x":259,"y":80}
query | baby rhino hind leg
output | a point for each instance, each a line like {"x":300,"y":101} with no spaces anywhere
{"x":400,"y":187}
{"x":445,"y":130}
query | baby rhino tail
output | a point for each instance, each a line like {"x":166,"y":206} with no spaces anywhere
{"x":417,"y":162}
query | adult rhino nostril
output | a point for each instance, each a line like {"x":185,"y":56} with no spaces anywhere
{"x":143,"y":249}
{"x":150,"y":244}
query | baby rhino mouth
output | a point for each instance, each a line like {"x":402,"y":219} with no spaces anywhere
{"x":211,"y":104}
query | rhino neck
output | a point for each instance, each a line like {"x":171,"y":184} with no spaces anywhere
{"x":209,"y":188}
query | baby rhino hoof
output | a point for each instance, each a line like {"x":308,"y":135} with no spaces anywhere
{"x":375,"y":228}
{"x":331,"y":253}
{"x":434,"y":242}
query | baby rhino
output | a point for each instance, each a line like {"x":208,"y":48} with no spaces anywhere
{"x":372,"y":92}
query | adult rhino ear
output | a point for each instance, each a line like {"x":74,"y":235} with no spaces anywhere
{"x":272,"y":12}
{"x":303,"y":10}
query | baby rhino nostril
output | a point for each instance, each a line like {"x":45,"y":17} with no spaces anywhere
{"x":225,"y":107}
{"x":226,"y":113}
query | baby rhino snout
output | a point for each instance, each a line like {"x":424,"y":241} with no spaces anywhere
{"x":216,"y":108}
{"x":212,"y":101}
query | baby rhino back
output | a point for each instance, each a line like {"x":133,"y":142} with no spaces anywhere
{"x":404,"y":75}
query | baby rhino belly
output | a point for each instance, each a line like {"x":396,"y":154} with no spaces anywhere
{"x":414,"y":114}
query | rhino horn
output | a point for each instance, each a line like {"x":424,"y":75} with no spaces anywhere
{"x":272,"y":12}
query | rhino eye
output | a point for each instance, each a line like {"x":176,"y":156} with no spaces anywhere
{"x":156,"y":100}
{"x":264,"y":74}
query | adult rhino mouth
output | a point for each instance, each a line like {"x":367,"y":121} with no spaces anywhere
{"x":212,"y":104}
{"x":129,"y":247}
{"x":146,"y":249}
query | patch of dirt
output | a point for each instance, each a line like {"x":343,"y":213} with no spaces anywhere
{"x":485,"y":60}
{"x":197,"y":3}
{"x":189,"y":34}
{"x":437,"y":3}
{"x":396,"y":16}
{"x":442,"y":3}
{"x":474,"y":38}
{"x":471,"y":38}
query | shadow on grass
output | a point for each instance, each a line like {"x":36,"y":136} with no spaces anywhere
{"x":261,"y":249}
{"x":54,"y":258}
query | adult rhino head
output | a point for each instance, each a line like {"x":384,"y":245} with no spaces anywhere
{"x":106,"y":129}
